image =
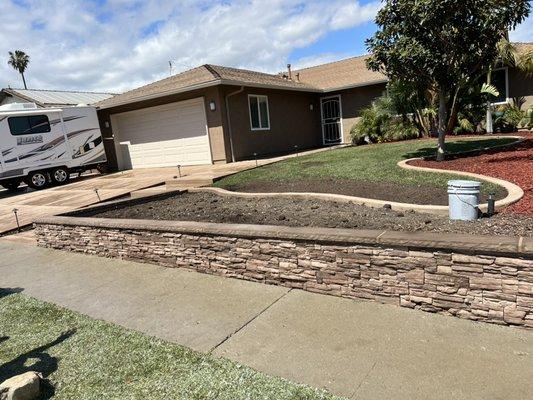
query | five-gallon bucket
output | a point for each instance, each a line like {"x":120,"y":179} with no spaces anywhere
{"x":463,"y":199}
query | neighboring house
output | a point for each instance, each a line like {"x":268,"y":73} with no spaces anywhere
{"x":50,"y":98}
{"x":215,"y":114}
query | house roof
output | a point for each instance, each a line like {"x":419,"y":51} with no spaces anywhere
{"x":51,"y":98}
{"x":343,"y":74}
{"x":204,"y":76}
{"x":351,"y":72}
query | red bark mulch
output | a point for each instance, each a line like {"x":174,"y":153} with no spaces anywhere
{"x":514,"y":165}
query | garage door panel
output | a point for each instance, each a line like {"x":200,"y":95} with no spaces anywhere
{"x":165,"y":135}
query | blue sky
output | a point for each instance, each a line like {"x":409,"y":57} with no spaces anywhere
{"x":116,"y":45}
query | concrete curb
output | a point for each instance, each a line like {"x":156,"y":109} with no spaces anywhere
{"x":374,"y":203}
{"x":464,"y":243}
{"x":515,"y":193}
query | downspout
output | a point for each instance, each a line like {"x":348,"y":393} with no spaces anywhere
{"x":229,"y":121}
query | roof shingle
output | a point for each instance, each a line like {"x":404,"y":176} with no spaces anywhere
{"x":350,"y":72}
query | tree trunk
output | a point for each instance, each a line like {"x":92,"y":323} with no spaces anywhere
{"x":488,"y":122}
{"x":24,"y":80}
{"x":442,"y":126}
{"x":422,"y":123}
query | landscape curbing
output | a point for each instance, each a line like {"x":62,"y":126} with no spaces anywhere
{"x":482,"y":278}
{"x":515,"y":193}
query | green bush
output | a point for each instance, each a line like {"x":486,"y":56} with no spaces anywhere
{"x":508,"y":118}
{"x":397,"y":129}
{"x":369,"y":125}
{"x":379,"y":127}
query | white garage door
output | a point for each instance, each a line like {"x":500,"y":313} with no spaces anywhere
{"x":162,"y":136}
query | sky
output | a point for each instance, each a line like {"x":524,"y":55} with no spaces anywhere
{"x":117,"y":45}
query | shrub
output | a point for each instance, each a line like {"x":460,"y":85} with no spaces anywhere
{"x":376,"y":127}
{"x":369,"y":126}
{"x":508,"y":118}
{"x":397,"y":129}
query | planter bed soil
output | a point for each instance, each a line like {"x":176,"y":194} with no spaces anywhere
{"x":514,"y":164}
{"x":417,"y":194}
{"x":208,"y":207}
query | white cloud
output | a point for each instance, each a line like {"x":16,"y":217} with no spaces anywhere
{"x":523,"y":32}
{"x":116,"y":45}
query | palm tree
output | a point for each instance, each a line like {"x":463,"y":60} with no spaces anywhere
{"x":19,"y":61}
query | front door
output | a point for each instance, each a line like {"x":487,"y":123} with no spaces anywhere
{"x":331,"y":120}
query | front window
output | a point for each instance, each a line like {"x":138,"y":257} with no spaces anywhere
{"x":499,"y":81}
{"x":29,"y":125}
{"x":259,"y":116}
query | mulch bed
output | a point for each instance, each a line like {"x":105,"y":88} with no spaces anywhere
{"x":513,"y":164}
{"x":417,"y":194}
{"x":208,"y":207}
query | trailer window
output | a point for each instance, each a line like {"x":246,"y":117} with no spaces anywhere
{"x":29,"y":124}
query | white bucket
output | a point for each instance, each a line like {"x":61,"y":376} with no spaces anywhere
{"x":463,"y":199}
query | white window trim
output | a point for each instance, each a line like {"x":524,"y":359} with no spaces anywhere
{"x":506,"y":101}
{"x":259,"y":96}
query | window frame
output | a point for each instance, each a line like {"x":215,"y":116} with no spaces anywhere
{"x":258,"y":96}
{"x":506,"y":101}
{"x":31,"y":127}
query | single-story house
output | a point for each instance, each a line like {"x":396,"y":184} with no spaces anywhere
{"x":50,"y":98}
{"x":216,"y":114}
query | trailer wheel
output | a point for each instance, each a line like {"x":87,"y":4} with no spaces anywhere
{"x":60,"y":176}
{"x":37,"y":180}
{"x":12,"y":185}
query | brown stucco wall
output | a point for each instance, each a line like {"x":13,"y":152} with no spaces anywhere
{"x":520,"y":86}
{"x":353,"y":100}
{"x":215,"y":121}
{"x":291,"y":122}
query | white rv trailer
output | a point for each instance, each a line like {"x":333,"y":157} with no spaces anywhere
{"x":42,"y":146}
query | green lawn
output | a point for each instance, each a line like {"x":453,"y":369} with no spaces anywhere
{"x":374,"y":163}
{"x":89,"y":359}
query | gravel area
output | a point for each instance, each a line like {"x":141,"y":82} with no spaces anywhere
{"x":210,"y":207}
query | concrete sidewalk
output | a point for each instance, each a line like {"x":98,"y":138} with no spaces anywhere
{"x":360,"y":350}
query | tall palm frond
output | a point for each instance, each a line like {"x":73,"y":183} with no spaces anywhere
{"x":19,"y":61}
{"x":515,"y":56}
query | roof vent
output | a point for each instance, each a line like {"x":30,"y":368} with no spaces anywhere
{"x":18,"y":107}
{"x":289,"y":71}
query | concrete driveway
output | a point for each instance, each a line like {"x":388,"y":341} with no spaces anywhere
{"x":33,"y":205}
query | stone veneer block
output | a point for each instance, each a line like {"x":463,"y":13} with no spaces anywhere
{"x":479,"y":278}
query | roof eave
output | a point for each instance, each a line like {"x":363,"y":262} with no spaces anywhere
{"x":216,"y":82}
{"x":160,"y":94}
{"x":352,"y":86}
{"x":270,"y":86}
{"x":13,"y":92}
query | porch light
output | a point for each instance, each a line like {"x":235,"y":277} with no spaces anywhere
{"x":212,"y":105}
{"x":311,"y":106}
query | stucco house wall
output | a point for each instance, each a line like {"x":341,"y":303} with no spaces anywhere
{"x":294,"y":121}
{"x":520,"y":86}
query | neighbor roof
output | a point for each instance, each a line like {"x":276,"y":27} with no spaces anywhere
{"x":204,"y":76}
{"x":351,"y":72}
{"x":54,"y":98}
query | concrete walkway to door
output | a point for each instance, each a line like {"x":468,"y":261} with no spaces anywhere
{"x":36,"y":204}
{"x":360,"y":350}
